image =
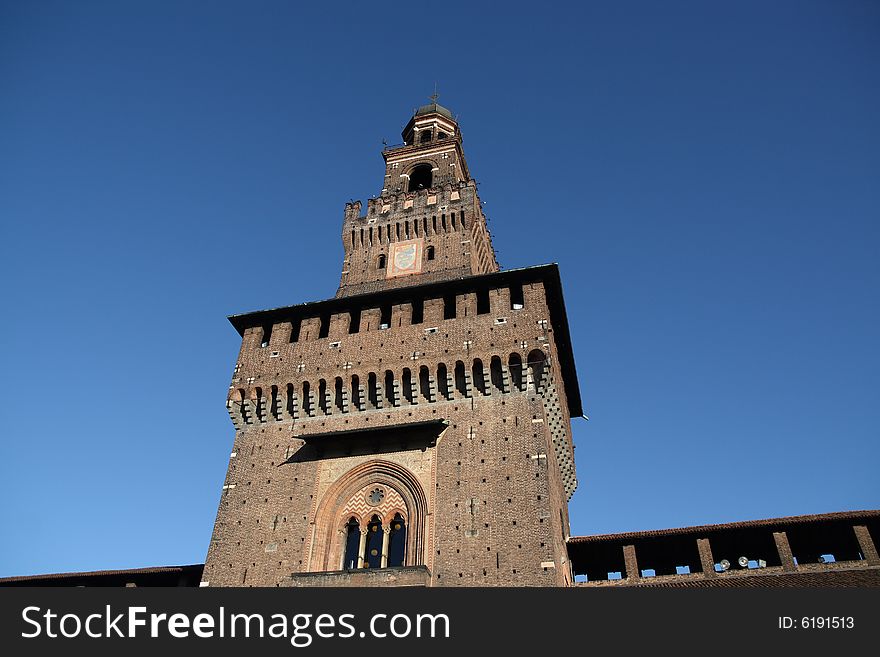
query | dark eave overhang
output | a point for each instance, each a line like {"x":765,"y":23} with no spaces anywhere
{"x":385,"y":431}
{"x":547,"y":274}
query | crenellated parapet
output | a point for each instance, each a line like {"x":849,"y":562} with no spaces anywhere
{"x":418,"y":422}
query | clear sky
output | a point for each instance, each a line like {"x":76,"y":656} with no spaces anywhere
{"x":706,"y":174}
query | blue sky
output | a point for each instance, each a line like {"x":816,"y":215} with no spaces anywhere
{"x":706,"y":174}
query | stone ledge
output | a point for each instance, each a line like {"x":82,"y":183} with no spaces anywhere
{"x":398,"y":576}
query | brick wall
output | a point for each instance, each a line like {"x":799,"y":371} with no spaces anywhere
{"x":495,"y":480}
{"x":448,"y":219}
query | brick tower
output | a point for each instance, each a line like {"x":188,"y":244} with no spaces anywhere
{"x":415,"y":429}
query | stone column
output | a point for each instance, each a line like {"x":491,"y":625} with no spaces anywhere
{"x":362,"y":547}
{"x":386,"y":533}
{"x":343,"y":537}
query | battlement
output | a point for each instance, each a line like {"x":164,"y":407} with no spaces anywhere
{"x":518,"y":309}
{"x":387,"y":206}
{"x":415,"y":237}
{"x":416,"y":427}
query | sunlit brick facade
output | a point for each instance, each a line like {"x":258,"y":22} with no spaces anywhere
{"x":415,"y":429}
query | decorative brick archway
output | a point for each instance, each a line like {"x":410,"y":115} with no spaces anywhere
{"x":347,"y":497}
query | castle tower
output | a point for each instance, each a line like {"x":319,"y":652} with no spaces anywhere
{"x":415,"y":429}
{"x":428,"y":215}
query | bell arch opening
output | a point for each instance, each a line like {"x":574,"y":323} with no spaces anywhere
{"x":420,"y":178}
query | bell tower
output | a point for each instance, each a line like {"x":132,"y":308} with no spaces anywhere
{"x":414,"y":429}
{"x":427,"y":223}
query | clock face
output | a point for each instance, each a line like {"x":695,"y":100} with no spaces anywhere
{"x":405,"y":258}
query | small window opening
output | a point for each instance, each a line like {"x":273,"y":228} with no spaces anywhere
{"x":373,"y":390}
{"x":425,"y":383}
{"x":322,"y":397}
{"x":443,"y":382}
{"x":430,"y":252}
{"x":389,"y":388}
{"x":380,"y":264}
{"x":424,"y":136}
{"x":307,"y":399}
{"x":274,"y":404}
{"x":406,"y":383}
{"x":356,"y":399}
{"x":460,"y":380}
{"x":338,"y":397}
{"x":497,"y":374}
{"x":478,"y":376}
